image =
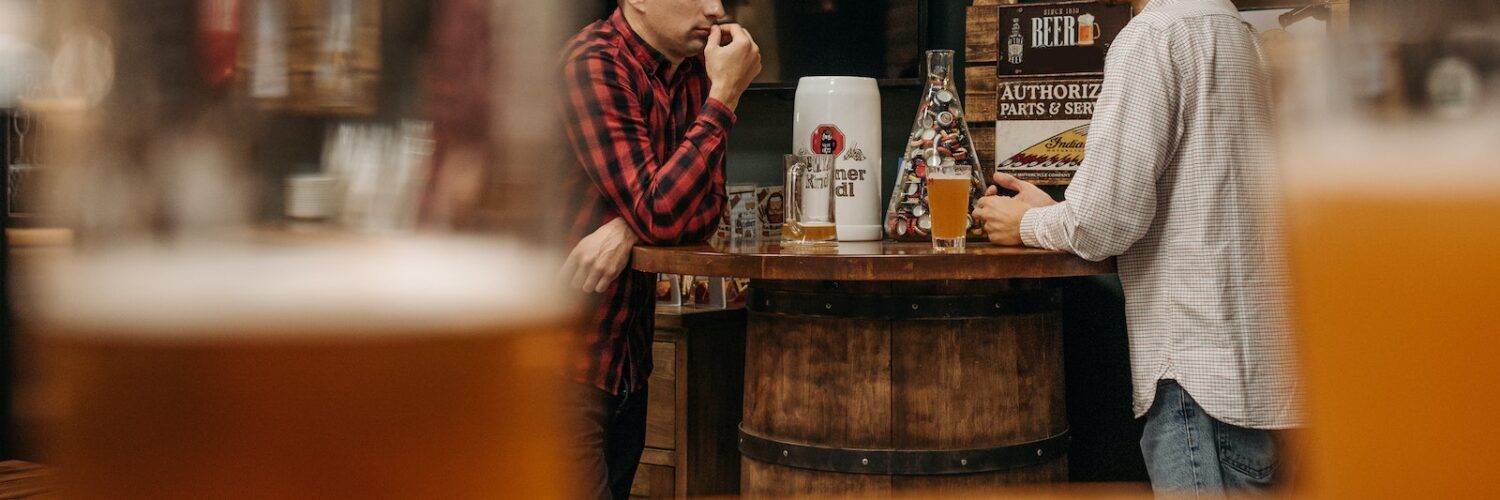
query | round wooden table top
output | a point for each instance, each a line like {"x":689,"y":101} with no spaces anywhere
{"x":864,"y":261}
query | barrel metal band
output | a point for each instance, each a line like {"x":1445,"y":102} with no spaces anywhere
{"x":903,"y":462}
{"x":902,"y":307}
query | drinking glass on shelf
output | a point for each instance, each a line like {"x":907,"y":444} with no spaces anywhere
{"x":809,"y":201}
{"x":948,"y":198}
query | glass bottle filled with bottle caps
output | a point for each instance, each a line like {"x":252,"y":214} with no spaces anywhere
{"x":939,"y":139}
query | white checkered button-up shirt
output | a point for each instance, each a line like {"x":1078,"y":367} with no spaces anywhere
{"x":1177,"y":182}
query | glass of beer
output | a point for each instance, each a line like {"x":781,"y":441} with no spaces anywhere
{"x":190,"y":342}
{"x":1393,"y":211}
{"x":357,"y":369}
{"x":810,"y":201}
{"x":948,"y":200}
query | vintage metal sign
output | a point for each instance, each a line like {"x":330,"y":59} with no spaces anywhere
{"x":1043,"y":125}
{"x":1058,"y":37}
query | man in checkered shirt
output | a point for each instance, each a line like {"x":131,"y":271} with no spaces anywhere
{"x":650,"y":97}
{"x":1177,"y":183}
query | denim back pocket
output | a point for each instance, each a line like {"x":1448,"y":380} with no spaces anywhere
{"x":1251,"y":452}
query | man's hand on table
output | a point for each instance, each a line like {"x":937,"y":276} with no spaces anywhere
{"x":1002,"y":215}
{"x":600,"y":257}
{"x":730,"y":66}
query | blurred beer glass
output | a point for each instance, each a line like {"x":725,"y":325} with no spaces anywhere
{"x":375,"y":368}
{"x":1394,"y":234}
{"x":191,"y":347}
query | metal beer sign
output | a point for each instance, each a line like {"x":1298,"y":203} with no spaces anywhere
{"x":1043,"y":125}
{"x":1058,"y":37}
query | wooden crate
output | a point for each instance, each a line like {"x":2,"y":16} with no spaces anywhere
{"x":693,"y":406}
{"x":654,"y":478}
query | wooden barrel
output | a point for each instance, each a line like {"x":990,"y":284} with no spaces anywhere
{"x":871,"y":387}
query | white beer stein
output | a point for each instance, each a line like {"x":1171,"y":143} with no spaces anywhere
{"x":840,"y":115}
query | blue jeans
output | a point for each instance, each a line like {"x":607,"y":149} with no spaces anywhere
{"x":1187,"y":450}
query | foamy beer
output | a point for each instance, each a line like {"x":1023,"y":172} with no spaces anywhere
{"x":1088,"y":29}
{"x":948,"y":198}
{"x":1395,"y":253}
{"x":368,"y":369}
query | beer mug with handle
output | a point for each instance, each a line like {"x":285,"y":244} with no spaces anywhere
{"x":1088,"y":29}
{"x":810,"y":203}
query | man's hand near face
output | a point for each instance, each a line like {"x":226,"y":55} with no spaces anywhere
{"x":732,"y":60}
{"x":1002,"y":215}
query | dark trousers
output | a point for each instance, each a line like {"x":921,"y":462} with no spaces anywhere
{"x":608,"y":434}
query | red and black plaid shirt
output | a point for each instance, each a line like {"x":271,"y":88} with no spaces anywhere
{"x":650,"y":150}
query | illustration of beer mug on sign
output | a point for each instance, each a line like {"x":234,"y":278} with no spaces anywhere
{"x":1088,"y":29}
{"x":810,"y":201}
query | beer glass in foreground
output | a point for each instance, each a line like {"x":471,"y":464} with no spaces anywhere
{"x":1394,"y":236}
{"x":1395,"y":252}
{"x":948,"y":197}
{"x":810,"y":202}
{"x":369,"y":369}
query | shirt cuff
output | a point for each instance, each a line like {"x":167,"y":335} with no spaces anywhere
{"x":1029,"y":225}
{"x":718,"y":114}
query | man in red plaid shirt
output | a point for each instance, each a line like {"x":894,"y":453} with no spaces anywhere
{"x":650,"y":97}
